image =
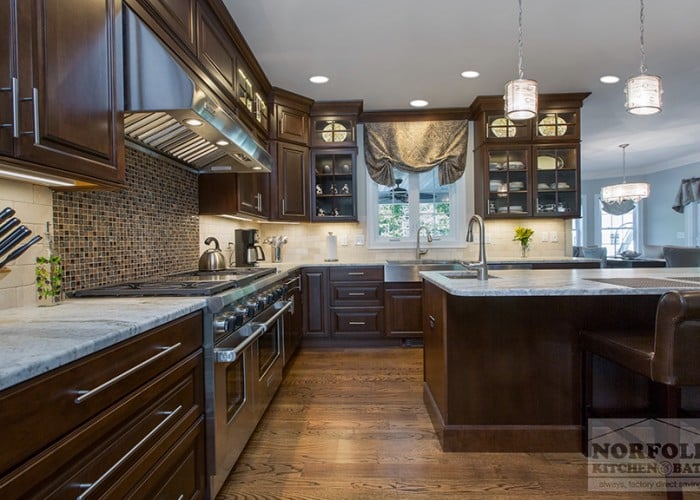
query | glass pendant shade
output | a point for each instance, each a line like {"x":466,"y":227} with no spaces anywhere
{"x":643,"y":94}
{"x":520,"y":99}
{"x":634,"y":191}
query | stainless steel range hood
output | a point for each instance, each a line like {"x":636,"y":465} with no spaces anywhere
{"x":169,"y":110}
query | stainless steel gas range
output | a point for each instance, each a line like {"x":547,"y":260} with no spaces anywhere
{"x":243,"y":349}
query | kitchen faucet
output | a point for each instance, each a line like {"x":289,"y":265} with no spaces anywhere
{"x":420,"y":252}
{"x":481,"y":266}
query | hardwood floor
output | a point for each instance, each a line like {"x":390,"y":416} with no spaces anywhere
{"x":351,"y":424}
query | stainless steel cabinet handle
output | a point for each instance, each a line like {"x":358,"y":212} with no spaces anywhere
{"x":35,"y":109}
{"x":283,"y":210}
{"x":431,"y":321}
{"x":14,"y":97}
{"x":359,"y":294}
{"x":90,"y":393}
{"x":285,"y":304}
{"x":91,"y":486}
{"x":359,"y":323}
{"x":356,"y":274}
{"x":259,"y":202}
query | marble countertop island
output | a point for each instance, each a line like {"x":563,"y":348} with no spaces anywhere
{"x":638,"y":281}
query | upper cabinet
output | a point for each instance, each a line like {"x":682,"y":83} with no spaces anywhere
{"x":333,"y":160}
{"x":179,"y":17}
{"x":528,"y":168}
{"x":290,"y":121}
{"x":61,"y":89}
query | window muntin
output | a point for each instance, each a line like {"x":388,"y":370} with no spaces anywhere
{"x":619,"y":233}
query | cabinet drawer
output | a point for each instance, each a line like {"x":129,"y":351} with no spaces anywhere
{"x":114,"y":450}
{"x":43,"y":409}
{"x":364,"y":322}
{"x":364,"y":273}
{"x":357,"y":294}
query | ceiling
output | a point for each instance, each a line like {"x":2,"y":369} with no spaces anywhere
{"x":387,"y":52}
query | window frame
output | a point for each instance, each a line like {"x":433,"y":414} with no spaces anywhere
{"x":637,"y":227}
{"x":457,"y":194}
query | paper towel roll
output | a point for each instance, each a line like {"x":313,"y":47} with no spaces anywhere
{"x":331,"y":248}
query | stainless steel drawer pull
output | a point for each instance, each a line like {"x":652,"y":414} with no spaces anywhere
{"x":357,"y":294}
{"x":357,"y":323}
{"x":15,"y":107}
{"x":35,"y":108}
{"x":90,"y":393}
{"x":431,"y":321}
{"x":356,"y":273}
{"x":91,"y":486}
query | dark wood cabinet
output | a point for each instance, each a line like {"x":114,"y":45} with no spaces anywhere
{"x":291,"y":124}
{"x":291,"y":197}
{"x":528,"y":168}
{"x":215,"y":50}
{"x":254,"y":194}
{"x":179,"y":16}
{"x":403,"y":305}
{"x":314,"y":284}
{"x":110,"y":422}
{"x":334,"y":185}
{"x":65,"y":59}
{"x":357,"y":301}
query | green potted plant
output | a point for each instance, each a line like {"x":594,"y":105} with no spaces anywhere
{"x":523,"y":235}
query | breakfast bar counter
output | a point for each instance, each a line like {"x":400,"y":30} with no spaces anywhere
{"x":502,"y":359}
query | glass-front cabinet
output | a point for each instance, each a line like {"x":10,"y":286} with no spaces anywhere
{"x":334,"y":185}
{"x":528,"y":168}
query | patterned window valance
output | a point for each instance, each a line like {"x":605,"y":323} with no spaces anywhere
{"x":416,"y":147}
{"x":618,"y":207}
{"x":688,"y":193}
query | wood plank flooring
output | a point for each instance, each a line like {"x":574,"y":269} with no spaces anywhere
{"x":351,"y":424}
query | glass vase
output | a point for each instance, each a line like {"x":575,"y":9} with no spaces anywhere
{"x":49,"y":281}
{"x":524,"y":249}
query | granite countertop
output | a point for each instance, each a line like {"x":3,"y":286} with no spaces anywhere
{"x":35,"y":340}
{"x":638,"y":281}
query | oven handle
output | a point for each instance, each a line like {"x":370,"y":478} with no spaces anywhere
{"x":281,"y":306}
{"x":227,"y":355}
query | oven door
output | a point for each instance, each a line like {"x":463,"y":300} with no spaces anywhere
{"x":268,"y":353}
{"x":234,"y":408}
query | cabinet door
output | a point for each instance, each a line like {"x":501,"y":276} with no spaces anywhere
{"x":434,"y":345}
{"x":7,"y":72}
{"x":218,"y":194}
{"x":215,"y":49}
{"x":178,"y":15}
{"x":507,"y":181}
{"x":292,"y":124}
{"x":292,"y":182}
{"x":253,"y":194}
{"x":334,"y":188}
{"x":404,"y":310}
{"x":70,"y":86}
{"x":314,"y":286}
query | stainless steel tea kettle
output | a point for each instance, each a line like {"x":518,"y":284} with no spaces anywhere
{"x":213,"y":258}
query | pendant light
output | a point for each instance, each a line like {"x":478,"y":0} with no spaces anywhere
{"x":520,"y":97}
{"x":643,"y":92}
{"x":619,"y":193}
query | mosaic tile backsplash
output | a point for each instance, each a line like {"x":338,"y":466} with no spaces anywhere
{"x":151,"y":228}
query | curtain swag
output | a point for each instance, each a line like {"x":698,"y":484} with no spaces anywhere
{"x":688,"y":192}
{"x":416,"y":147}
{"x":618,"y":207}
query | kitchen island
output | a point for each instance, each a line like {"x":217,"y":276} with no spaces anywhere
{"x":502,"y":360}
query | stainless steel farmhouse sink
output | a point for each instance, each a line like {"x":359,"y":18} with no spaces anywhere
{"x":468,"y":274}
{"x":408,"y":270}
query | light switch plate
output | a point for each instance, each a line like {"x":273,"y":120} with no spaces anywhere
{"x":545,"y":236}
{"x":343,"y":240}
{"x":359,"y":239}
{"x":553,"y":236}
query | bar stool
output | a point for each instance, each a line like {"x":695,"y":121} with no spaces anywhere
{"x":668,"y":354}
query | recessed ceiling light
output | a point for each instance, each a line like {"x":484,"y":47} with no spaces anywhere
{"x":222,"y":143}
{"x":318,"y":79}
{"x":470,"y":74}
{"x":609,"y":79}
{"x":194,"y":122}
{"x":418,"y":103}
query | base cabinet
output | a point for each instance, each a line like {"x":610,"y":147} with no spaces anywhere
{"x":403,"y":305}
{"x":141,"y":417}
{"x":314,"y":283}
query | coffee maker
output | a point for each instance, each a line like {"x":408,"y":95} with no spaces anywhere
{"x":246,"y":248}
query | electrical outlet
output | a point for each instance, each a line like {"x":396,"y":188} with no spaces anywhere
{"x":553,"y":236}
{"x":545,"y":237}
{"x":343,"y":240}
{"x":359,"y":239}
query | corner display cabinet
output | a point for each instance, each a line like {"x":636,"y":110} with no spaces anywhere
{"x":528,"y":168}
{"x":333,"y":165}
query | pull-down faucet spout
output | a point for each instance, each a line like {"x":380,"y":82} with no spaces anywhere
{"x":481,"y":266}
{"x":419,"y":251}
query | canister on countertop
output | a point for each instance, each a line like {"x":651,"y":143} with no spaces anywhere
{"x":331,"y":247}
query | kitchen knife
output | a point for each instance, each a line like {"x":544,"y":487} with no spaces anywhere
{"x":14,"y":221}
{"x":15,"y":237}
{"x":19,"y":251}
{"x":5,"y":213}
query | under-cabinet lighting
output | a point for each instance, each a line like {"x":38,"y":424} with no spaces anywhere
{"x":35,"y":178}
{"x":235,"y":217}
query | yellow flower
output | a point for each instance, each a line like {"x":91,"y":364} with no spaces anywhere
{"x":523,"y":235}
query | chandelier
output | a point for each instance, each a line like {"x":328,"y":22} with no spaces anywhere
{"x":619,"y":193}
{"x":643,"y":92}
{"x":520,"y":97}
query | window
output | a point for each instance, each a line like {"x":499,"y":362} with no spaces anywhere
{"x":395,"y":213}
{"x":619,"y":233}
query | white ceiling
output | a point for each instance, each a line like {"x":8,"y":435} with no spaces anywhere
{"x":387,"y":52}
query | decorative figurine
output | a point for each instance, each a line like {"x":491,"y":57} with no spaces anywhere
{"x":334,"y":190}
{"x":320,"y":212}
{"x":336,"y":212}
{"x":319,"y":189}
{"x":345,"y":189}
